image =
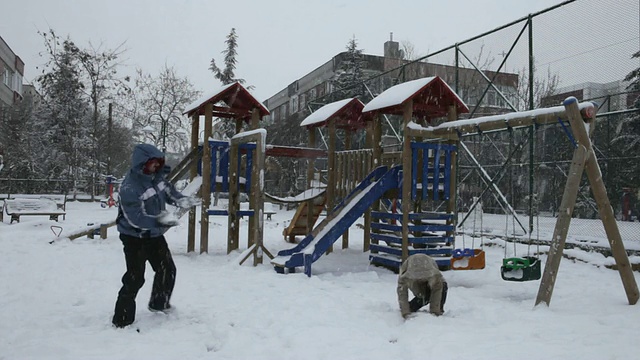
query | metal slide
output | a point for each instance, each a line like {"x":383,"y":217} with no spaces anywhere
{"x":341,"y":218}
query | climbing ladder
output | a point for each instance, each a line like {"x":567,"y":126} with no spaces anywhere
{"x":431,"y":232}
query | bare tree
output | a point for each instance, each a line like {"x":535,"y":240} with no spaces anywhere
{"x":409,"y":50}
{"x":160,"y":101}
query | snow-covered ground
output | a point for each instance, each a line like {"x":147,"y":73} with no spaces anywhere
{"x":57,"y":302}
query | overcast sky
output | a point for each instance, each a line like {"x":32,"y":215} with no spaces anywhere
{"x":279,"y":40}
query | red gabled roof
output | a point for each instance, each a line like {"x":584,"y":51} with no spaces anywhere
{"x":346,"y":113}
{"x":431,"y":98}
{"x":230,"y":101}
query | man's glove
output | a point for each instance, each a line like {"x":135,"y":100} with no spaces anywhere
{"x":167,"y":219}
{"x":188,"y":201}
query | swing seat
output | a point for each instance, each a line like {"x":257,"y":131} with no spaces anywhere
{"x":521,"y":269}
{"x":468,"y":259}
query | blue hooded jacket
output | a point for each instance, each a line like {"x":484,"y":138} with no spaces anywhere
{"x":143,"y":197}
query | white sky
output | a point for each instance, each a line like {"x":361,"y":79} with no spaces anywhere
{"x":279,"y":41}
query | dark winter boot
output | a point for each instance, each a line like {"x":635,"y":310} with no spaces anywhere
{"x":417,"y":303}
{"x":125,"y":312}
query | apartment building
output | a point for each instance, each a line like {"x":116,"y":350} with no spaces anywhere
{"x":291,"y":104}
{"x":612,"y":96}
{"x":11,"y":74}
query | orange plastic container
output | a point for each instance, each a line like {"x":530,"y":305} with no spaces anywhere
{"x":467,"y":259}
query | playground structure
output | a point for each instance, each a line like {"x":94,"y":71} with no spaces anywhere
{"x":418,"y":179}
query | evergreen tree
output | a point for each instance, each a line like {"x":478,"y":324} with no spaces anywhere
{"x":350,"y":76}
{"x":227,"y":75}
{"x":625,"y":144}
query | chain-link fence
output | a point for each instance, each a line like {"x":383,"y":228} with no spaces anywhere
{"x":580,"y":48}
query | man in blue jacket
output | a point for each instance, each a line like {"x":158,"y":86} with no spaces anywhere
{"x":142,"y":220}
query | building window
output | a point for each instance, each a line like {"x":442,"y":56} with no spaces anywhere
{"x":17,"y":83}
{"x":302,"y":102}
{"x":294,"y":105}
{"x":6,"y":77}
{"x":312,"y":94}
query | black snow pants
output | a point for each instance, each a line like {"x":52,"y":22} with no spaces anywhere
{"x":417,"y":302}
{"x":137,"y":251}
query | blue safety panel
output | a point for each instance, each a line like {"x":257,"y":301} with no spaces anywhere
{"x":220,"y":165}
{"x":226,"y":213}
{"x":393,"y":250}
{"x":413,"y":239}
{"x":426,"y":163}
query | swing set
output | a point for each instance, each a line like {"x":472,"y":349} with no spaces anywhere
{"x":581,"y":117}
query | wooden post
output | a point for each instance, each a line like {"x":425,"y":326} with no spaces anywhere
{"x":366,"y":245}
{"x":103,"y":231}
{"x":233,"y":222}
{"x":193,"y":172}
{"x":594,"y":175}
{"x":453,"y":179}
{"x":407,"y":114}
{"x":310,"y":173}
{"x":602,"y":200}
{"x":346,"y":180}
{"x":331,"y":171}
{"x":255,"y":120}
{"x":374,"y":140}
{"x":562,"y":226}
{"x":206,"y":179}
{"x":238,"y":126}
{"x":257,"y":191}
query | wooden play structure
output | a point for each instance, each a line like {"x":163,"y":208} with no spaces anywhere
{"x":416,"y":178}
{"x":407,"y":198}
{"x":232,"y":102}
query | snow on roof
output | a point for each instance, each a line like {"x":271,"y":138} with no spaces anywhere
{"x":324,"y":112}
{"x":396,"y":95}
{"x":506,"y":117}
{"x":203,"y":99}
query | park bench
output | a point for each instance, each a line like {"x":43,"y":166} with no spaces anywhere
{"x":26,"y":207}
{"x":268,"y":210}
{"x":59,"y":199}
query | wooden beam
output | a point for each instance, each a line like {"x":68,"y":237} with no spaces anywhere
{"x":505,"y":121}
{"x":310,"y":173}
{"x":253,"y":198}
{"x":233,"y":220}
{"x":331,"y":171}
{"x":295,"y":152}
{"x":348,"y":172}
{"x":206,"y":179}
{"x":562,"y":226}
{"x":453,"y":178}
{"x":585,"y":158}
{"x":602,"y":200}
{"x":193,"y":172}
{"x":406,"y":179}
